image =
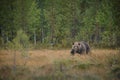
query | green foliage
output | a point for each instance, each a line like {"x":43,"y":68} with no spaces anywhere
{"x":21,"y":41}
{"x":33,"y":17}
{"x":61,"y":21}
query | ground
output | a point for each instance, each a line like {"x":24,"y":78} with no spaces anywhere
{"x":45,"y":62}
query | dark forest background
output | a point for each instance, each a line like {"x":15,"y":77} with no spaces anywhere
{"x":44,"y":23}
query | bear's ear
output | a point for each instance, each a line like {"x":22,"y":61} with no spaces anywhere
{"x":78,"y":43}
{"x":73,"y":43}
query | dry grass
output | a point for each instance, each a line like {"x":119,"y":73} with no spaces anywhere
{"x":43,"y":62}
{"x":39,"y":58}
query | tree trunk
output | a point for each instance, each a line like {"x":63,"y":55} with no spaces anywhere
{"x":34,"y":38}
{"x":42,"y":34}
{"x":7,"y":39}
{"x":52,"y":24}
{"x":14,"y":62}
{"x":42,"y":16}
{"x":97,"y":34}
{"x":74,"y":20}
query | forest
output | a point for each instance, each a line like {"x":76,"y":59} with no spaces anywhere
{"x":60,"y":22}
{"x":36,"y":38}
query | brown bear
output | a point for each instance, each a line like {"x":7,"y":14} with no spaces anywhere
{"x":80,"y":48}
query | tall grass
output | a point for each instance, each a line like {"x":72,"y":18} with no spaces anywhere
{"x":100,"y":65}
{"x":114,"y":66}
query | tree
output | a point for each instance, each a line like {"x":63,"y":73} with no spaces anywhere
{"x":61,"y":21}
{"x":116,"y":18}
{"x":6,"y":20}
{"x":19,"y":43}
{"x":34,"y":20}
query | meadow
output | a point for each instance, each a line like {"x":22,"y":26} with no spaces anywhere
{"x":46,"y":64}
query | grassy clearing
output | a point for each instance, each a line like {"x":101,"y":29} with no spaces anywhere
{"x":60,"y":65}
